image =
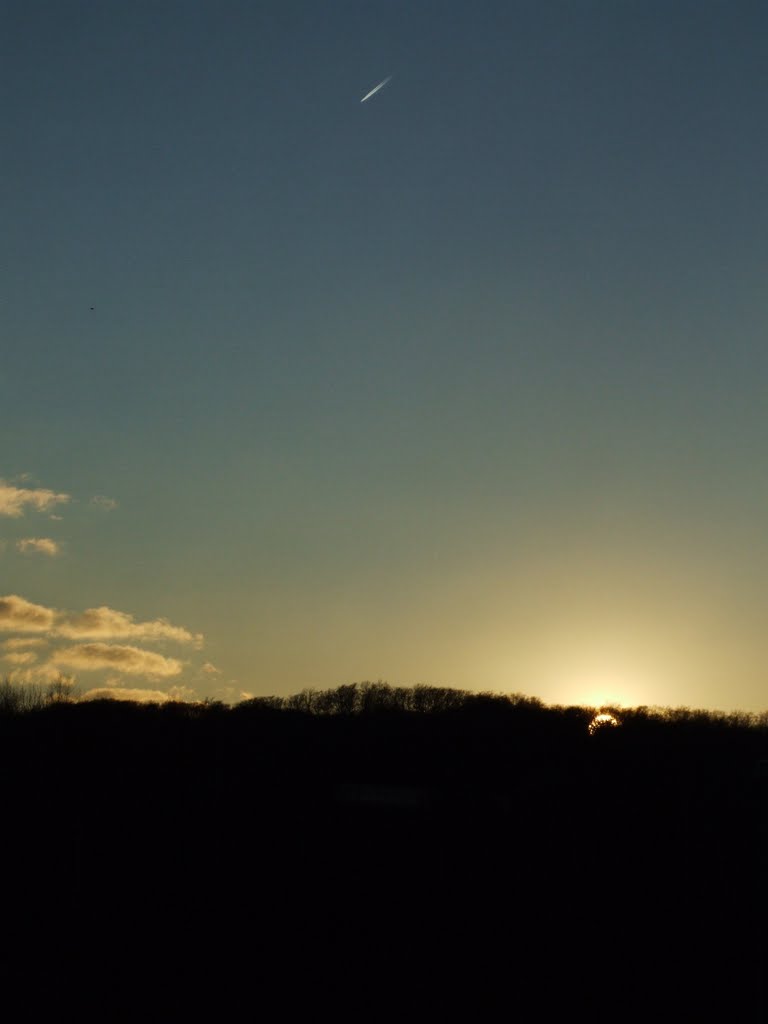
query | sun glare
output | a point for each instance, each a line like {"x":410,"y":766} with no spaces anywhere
{"x":603,"y":720}
{"x":594,"y":688}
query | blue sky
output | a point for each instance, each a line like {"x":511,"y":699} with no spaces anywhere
{"x":462,"y":385}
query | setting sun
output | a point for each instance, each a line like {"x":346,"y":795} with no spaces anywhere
{"x":601,"y":721}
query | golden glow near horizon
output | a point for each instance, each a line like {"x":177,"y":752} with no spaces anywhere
{"x":606,"y":689}
{"x":566,"y":672}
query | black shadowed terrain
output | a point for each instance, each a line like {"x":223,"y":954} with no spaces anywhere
{"x":379,"y":851}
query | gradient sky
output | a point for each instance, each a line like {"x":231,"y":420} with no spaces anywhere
{"x":465,"y":385}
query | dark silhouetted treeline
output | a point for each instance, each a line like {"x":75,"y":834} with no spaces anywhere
{"x":420,"y":851}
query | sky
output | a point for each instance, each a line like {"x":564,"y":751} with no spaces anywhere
{"x":464,"y":385}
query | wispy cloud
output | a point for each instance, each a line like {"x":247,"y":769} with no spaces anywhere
{"x":22,"y":642}
{"x":21,"y":650}
{"x":116,"y":657}
{"x":20,"y":657}
{"x":232,"y":694}
{"x":20,"y":616}
{"x":210,"y":670}
{"x":136,"y":694}
{"x":39,"y":545}
{"x":108,"y":504}
{"x":36,"y":674}
{"x":14,"y":501}
{"x":107,"y":623}
{"x":97,"y":628}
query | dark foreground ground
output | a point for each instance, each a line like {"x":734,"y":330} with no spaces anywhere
{"x":482,"y":862}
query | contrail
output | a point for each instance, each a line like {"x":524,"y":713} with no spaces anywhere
{"x":375,"y":90}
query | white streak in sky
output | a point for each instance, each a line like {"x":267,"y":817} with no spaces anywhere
{"x":375,"y":90}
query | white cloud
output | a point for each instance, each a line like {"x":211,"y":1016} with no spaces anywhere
{"x":14,"y":501}
{"x":20,"y":616}
{"x":38,"y":545}
{"x":118,"y":657}
{"x":108,"y":504}
{"x":210,"y":670}
{"x":108,"y":623}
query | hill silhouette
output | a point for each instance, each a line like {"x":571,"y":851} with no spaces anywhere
{"x":420,"y":849}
